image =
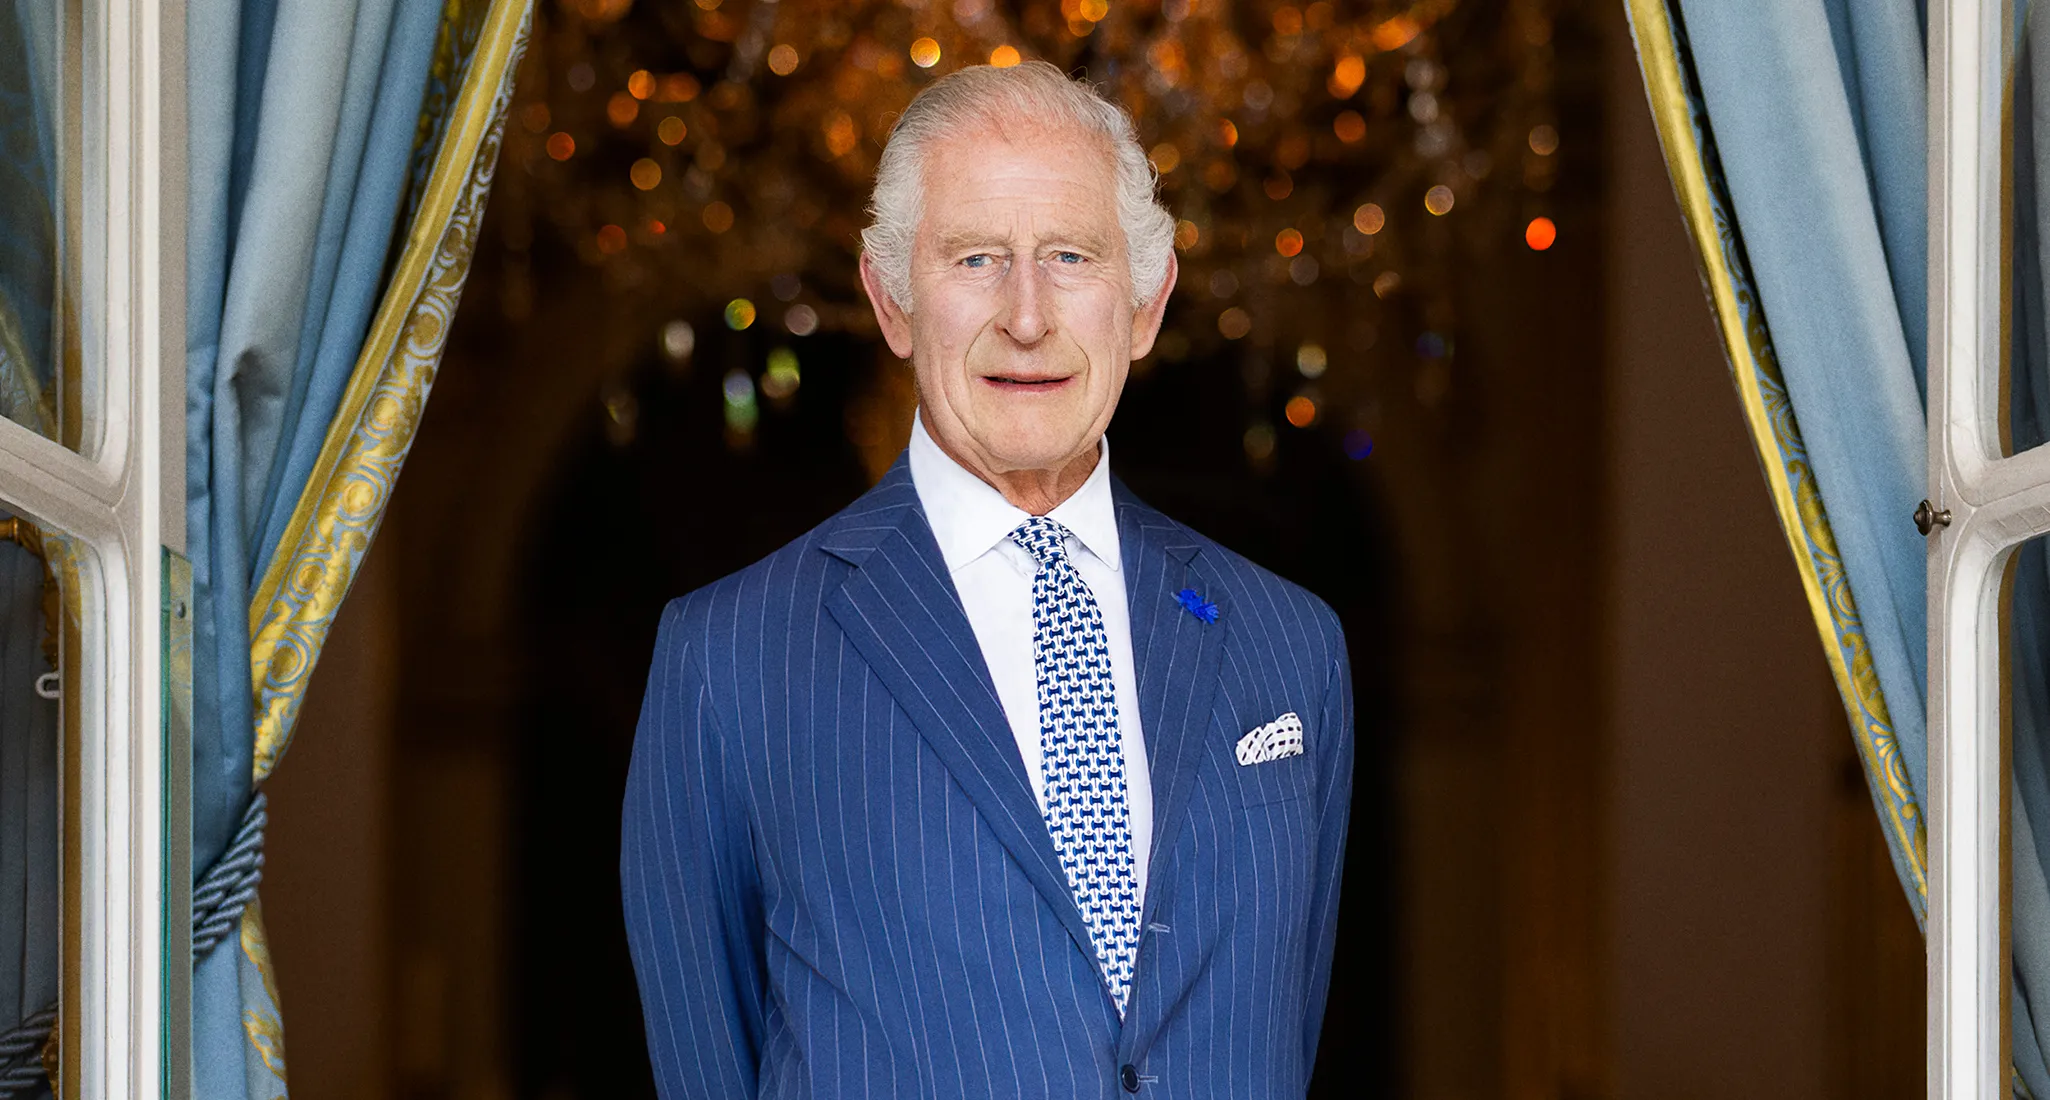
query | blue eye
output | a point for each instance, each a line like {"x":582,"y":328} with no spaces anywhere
{"x":977,"y":260}
{"x":1068,"y":257}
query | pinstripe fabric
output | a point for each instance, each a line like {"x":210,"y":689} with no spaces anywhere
{"x":837,"y":880}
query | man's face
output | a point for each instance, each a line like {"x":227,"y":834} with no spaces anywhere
{"x":1022,"y":329}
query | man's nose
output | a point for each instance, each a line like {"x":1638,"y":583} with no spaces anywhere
{"x":1025,"y":317}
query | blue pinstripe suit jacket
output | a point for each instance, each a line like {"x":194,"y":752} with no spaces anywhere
{"x":838,"y":882}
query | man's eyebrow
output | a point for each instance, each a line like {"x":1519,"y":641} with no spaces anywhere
{"x":1088,"y":239}
{"x":962,"y":240}
{"x":969,"y":240}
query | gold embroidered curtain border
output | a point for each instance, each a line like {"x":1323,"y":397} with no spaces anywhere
{"x":22,"y":397}
{"x":339,"y":510}
{"x":1704,"y":201}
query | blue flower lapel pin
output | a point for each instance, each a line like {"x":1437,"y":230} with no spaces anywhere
{"x":1196,"y":605}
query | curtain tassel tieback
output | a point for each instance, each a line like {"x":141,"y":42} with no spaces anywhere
{"x":217,"y":904}
{"x":21,"y":1053}
{"x":230,"y":884}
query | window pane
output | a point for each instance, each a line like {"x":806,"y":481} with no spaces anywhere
{"x":43,"y":381}
{"x":39,"y":621}
{"x":2026,"y":648}
{"x":2028,"y":226}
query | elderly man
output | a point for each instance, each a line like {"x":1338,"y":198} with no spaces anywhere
{"x":998,"y":783}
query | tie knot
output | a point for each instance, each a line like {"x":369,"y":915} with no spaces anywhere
{"x":1043,"y":538}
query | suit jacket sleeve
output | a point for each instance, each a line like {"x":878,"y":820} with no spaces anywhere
{"x":1335,"y":795}
{"x":690,"y":885}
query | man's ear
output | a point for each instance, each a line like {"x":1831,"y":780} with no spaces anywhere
{"x":894,"y":321}
{"x":1146,"y":322}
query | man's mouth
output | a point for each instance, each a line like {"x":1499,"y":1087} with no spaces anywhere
{"x":1027,"y":383}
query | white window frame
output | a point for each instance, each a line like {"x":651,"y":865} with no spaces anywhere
{"x":1995,"y":503}
{"x":113,"y":501}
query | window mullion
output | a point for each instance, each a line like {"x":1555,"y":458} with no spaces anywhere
{"x":1966,"y":798}
{"x":55,"y":488}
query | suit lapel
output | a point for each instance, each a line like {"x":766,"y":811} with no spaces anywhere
{"x":899,"y":609}
{"x":1177,"y":656}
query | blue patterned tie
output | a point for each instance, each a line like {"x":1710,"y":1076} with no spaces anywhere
{"x":1084,"y":760}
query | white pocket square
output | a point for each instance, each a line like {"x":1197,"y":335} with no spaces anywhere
{"x":1273,"y":741}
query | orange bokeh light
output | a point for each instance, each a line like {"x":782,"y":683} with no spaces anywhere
{"x":841,"y":134}
{"x":1003,"y":57}
{"x":622,"y":108}
{"x":1347,"y":76}
{"x":677,"y":88}
{"x":1301,"y":411}
{"x":1540,"y":234}
{"x":1395,"y":33}
{"x":1288,"y":242}
{"x":561,"y":146}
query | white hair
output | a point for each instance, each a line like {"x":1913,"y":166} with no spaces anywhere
{"x":1032,"y":92}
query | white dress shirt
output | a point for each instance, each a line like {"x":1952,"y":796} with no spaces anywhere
{"x":993,"y":575}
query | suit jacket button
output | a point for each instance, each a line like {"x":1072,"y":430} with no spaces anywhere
{"x":1130,"y":1076}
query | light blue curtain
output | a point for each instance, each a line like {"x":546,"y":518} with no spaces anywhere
{"x":303,"y":119}
{"x":1813,"y":117}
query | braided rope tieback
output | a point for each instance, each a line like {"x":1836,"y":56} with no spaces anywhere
{"x":217,"y":904}
{"x":21,"y":1053}
{"x":230,"y":884}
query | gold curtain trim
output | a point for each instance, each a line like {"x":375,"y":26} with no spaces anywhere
{"x":22,"y":398}
{"x":1770,"y":416}
{"x":338,"y":512}
{"x":264,"y":1023}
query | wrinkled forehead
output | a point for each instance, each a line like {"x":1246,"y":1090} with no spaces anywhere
{"x":1005,"y":177}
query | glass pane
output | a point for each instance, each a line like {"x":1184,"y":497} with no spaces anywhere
{"x":39,"y":623}
{"x":2026,"y":647}
{"x":2026,"y":422}
{"x":43,"y":384}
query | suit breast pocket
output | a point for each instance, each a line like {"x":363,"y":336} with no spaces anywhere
{"x":1287,"y":779}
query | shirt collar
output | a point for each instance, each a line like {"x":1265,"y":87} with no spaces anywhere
{"x":969,"y":517}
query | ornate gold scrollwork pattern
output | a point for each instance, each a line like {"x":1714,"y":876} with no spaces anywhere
{"x":262,"y":1022}
{"x":22,"y":398}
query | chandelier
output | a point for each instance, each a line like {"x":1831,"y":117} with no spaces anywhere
{"x":1326,"y":163}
